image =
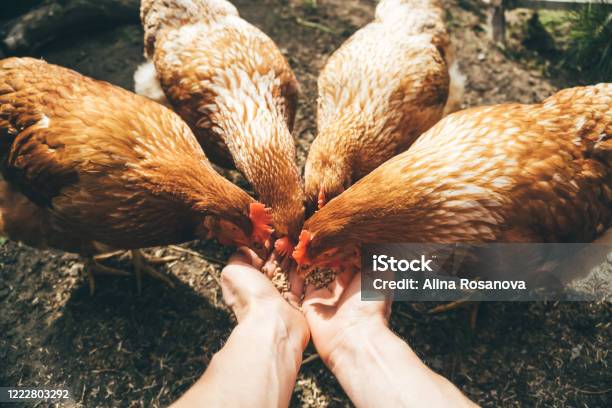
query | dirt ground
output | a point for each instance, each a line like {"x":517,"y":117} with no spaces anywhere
{"x":117,"y":348}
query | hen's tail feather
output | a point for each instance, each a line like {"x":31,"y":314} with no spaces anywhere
{"x":600,"y":94}
{"x":592,"y":107}
{"x":589,"y":105}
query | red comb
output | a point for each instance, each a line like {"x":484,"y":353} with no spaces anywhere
{"x":299,"y":254}
{"x":283,"y":246}
{"x":261,"y":220}
{"x":321,"y":200}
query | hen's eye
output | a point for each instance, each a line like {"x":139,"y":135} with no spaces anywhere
{"x":257,"y":245}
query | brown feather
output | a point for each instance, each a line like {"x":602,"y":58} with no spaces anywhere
{"x":232,"y":85}
{"x":384,"y":87}
{"x":91,"y":162}
{"x":505,"y":173}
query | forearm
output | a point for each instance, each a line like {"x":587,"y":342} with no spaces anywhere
{"x":374,"y":366}
{"x":260,"y":360}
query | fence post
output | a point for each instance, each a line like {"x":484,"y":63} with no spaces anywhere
{"x":496,"y":20}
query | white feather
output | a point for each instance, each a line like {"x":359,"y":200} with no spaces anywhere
{"x":147,"y":84}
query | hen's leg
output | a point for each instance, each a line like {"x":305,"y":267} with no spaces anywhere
{"x":92,"y":266}
{"x":158,"y":260}
{"x":104,"y":257}
{"x":142,"y":265}
{"x":447,"y":307}
{"x":153,"y":260}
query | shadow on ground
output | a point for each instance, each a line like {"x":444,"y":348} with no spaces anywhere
{"x":121,"y":349}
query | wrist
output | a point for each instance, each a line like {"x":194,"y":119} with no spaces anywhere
{"x":285,"y":326}
{"x":349,"y":341}
{"x":372,"y":364}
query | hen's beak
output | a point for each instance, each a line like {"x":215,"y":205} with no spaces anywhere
{"x":283,"y":246}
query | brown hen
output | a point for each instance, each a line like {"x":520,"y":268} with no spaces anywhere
{"x":384,"y":87}
{"x":88,"y":167}
{"x":235,"y":89}
{"x":505,"y":173}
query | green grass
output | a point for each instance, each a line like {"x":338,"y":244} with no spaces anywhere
{"x":578,"y":42}
{"x":310,"y":4}
{"x":590,"y":42}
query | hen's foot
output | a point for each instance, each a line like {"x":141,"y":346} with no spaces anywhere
{"x":93,"y":267}
{"x":109,"y":255}
{"x":141,"y":262}
{"x":142,"y":265}
{"x":153,"y":260}
{"x":447,"y":307}
{"x":159,"y":260}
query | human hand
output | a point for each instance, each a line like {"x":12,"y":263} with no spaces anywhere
{"x":252,"y":297}
{"x":263,"y":353}
{"x":370,"y":362}
{"x":336,"y":314}
{"x":279,"y":263}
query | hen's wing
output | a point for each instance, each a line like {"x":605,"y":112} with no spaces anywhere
{"x":505,"y":173}
{"x":547,"y":168}
{"x":78,"y":149}
{"x":34,"y":159}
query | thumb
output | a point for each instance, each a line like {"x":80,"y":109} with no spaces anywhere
{"x":237,"y":280}
{"x":245,"y":256}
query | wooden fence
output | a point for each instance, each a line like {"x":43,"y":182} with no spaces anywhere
{"x":497,"y":10}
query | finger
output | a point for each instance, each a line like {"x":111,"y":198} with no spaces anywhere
{"x":246,"y":256}
{"x":309,"y":290}
{"x":242,"y":273}
{"x":292,"y":299}
{"x":287,"y":263}
{"x":270,"y":266}
{"x":321,"y":296}
{"x":387,"y":311}
{"x":345,"y":278}
{"x":338,"y":286}
{"x":352,"y":290}
{"x":296,"y":283}
{"x":315,"y":294}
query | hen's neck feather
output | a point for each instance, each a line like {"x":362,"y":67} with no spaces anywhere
{"x":252,"y":123}
{"x":172,"y":164}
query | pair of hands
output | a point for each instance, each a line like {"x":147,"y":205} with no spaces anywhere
{"x":331,"y":315}
{"x":351,"y":336}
